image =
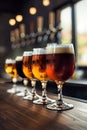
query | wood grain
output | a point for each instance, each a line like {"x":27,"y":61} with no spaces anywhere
{"x":19,"y":114}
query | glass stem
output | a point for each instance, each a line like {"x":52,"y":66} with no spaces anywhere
{"x":44,"y":94}
{"x":14,"y":84}
{"x":25,"y":82}
{"x":60,"y":97}
{"x":33,"y":83}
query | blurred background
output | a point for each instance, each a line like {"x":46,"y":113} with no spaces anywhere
{"x":23,"y":28}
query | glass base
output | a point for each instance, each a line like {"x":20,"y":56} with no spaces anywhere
{"x":46,"y":101}
{"x":12,"y":91}
{"x":29,"y":97}
{"x":63,"y":107}
{"x":24,"y":93}
{"x":21,"y":94}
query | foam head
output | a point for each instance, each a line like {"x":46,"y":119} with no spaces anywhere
{"x":9,"y":61}
{"x":60,"y":48}
{"x":37,"y":51}
{"x":19,"y":58}
{"x":27,"y":53}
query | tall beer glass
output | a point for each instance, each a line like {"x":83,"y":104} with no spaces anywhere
{"x":27,"y":69}
{"x":39,"y":71}
{"x":19,"y":64}
{"x":60,"y":67}
{"x":10,"y":68}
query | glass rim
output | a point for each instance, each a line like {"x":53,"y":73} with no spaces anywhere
{"x":27,"y":53}
{"x":60,"y":48}
{"x":18,"y":58}
{"x":37,"y":51}
{"x":9,"y":61}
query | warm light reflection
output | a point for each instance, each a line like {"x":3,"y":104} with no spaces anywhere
{"x":46,"y":2}
{"x":12,"y":22}
{"x":19,"y":18}
{"x":32,"y":10}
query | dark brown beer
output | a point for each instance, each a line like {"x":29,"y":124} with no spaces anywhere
{"x":19,"y":64}
{"x":27,"y":64}
{"x":39,"y":64}
{"x":10,"y":68}
{"x":60,"y":63}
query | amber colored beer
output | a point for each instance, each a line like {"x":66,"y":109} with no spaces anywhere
{"x":39,"y":64}
{"x":60,"y":62}
{"x":10,"y":68}
{"x":19,"y":64}
{"x":27,"y":64}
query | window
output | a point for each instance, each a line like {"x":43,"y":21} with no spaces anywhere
{"x":66,"y":24}
{"x":81,"y":32}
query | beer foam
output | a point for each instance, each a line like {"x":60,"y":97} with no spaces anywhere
{"x":18,"y":58}
{"x":60,"y":48}
{"x":9,"y":61}
{"x":37,"y":51}
{"x":27,"y":53}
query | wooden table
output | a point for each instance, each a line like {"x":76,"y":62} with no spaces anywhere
{"x":19,"y":114}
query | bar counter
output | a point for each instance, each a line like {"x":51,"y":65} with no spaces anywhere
{"x":19,"y":114}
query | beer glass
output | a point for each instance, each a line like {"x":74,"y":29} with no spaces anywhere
{"x":39,"y":71}
{"x":19,"y":63}
{"x":27,"y":69}
{"x":60,"y":67}
{"x":10,"y":68}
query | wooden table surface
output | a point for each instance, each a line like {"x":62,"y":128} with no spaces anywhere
{"x":19,"y":114}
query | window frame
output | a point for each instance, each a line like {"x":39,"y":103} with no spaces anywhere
{"x":73,"y":24}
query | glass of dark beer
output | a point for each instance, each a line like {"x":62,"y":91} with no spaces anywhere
{"x":10,"y":68}
{"x":39,"y":71}
{"x":19,"y":64}
{"x":27,"y":69}
{"x":60,"y":67}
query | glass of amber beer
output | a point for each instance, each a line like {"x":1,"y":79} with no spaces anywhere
{"x":10,"y":68}
{"x":60,"y":67}
{"x":39,"y":71}
{"x":27,"y":69}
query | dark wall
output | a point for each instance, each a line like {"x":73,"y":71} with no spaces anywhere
{"x":5,"y":47}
